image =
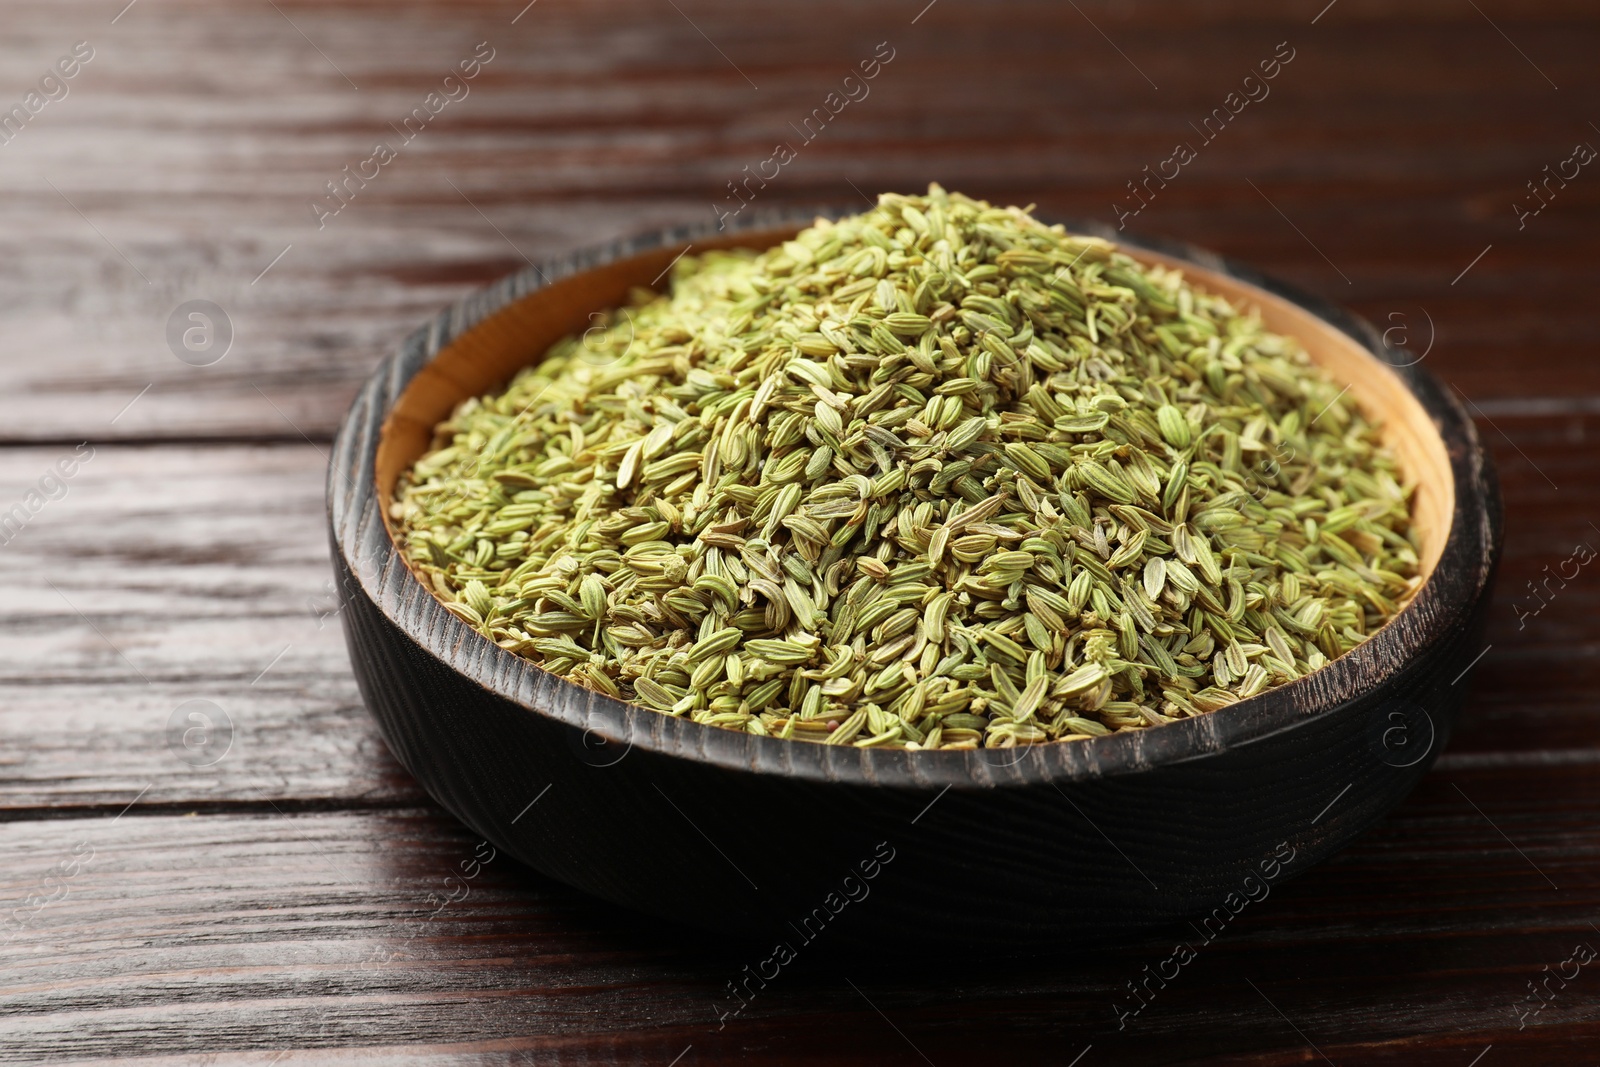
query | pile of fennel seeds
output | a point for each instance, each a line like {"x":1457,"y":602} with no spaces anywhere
{"x":934,"y":476}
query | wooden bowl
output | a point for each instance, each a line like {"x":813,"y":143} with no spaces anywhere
{"x":988,"y":850}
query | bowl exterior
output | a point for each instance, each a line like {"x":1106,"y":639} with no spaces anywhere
{"x":998,"y":850}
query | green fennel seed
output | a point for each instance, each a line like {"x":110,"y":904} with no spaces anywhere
{"x":933,"y":476}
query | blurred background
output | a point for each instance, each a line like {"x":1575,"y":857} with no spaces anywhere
{"x":218,"y":217}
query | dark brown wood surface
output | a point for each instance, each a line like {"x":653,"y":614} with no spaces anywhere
{"x":283,"y":904}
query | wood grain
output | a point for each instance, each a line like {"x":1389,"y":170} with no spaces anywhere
{"x":1397,"y":142}
{"x":232,"y":933}
{"x":593,"y":122}
{"x":201,"y":534}
{"x":165,"y":575}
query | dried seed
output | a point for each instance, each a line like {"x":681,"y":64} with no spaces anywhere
{"x":935,"y":475}
{"x":1155,"y":576}
{"x":1173,"y":426}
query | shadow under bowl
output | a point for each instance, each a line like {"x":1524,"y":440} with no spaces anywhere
{"x":990,"y":850}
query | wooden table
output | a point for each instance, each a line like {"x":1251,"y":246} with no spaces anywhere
{"x":282,"y":904}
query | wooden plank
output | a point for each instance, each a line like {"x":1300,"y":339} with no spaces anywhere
{"x":243,"y":934}
{"x":192,"y":144}
{"x":169,"y":575}
{"x":202,"y":574}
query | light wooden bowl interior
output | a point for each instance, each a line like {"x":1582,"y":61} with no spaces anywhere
{"x":485,"y":357}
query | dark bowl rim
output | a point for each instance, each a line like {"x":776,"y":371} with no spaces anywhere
{"x":372,"y":560}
